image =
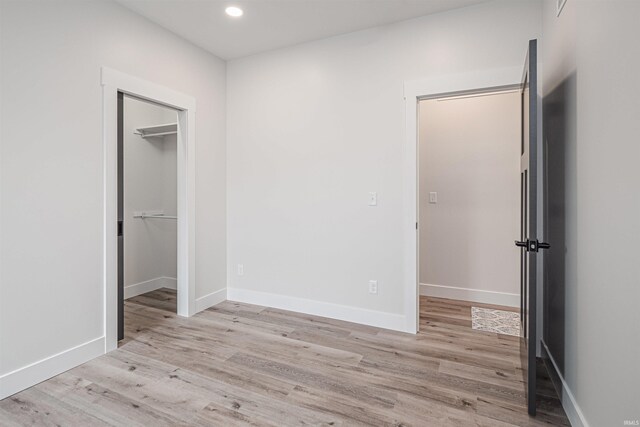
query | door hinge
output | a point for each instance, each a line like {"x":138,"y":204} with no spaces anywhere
{"x":532,"y":245}
{"x":416,"y":225}
{"x":120,"y":228}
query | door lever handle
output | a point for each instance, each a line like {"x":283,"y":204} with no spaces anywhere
{"x":532,"y":245}
{"x":543,"y":245}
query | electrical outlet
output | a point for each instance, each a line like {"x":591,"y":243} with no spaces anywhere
{"x":373,"y":286}
{"x":240,"y":270}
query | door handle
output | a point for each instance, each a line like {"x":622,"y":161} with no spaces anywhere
{"x":543,"y":245}
{"x":532,"y":245}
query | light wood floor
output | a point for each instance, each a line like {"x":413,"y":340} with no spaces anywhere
{"x":238,"y":364}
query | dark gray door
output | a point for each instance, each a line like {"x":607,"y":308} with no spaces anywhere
{"x":119,"y":148}
{"x":528,"y":243}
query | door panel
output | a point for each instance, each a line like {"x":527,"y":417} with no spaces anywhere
{"x":120,"y":151}
{"x":528,"y":244}
{"x":523,"y":254}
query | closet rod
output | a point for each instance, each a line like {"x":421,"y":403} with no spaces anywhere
{"x":143,"y":216}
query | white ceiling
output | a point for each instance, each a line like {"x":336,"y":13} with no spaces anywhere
{"x":271,"y":24}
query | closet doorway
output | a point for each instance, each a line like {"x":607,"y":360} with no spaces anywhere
{"x":114,"y":83}
{"x":147,"y":203}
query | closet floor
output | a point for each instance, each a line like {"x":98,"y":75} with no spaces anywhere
{"x":237,"y":364}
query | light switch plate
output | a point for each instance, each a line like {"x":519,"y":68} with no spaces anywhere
{"x":240,"y":270}
{"x":373,"y":198}
{"x":433,"y":197}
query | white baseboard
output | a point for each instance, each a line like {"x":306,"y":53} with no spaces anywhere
{"x":571,"y":408}
{"x":30,"y":375}
{"x":379,"y":319}
{"x":474,"y":295}
{"x":211,"y":299}
{"x":150,"y":285}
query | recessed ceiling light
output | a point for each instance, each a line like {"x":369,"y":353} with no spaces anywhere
{"x":234,"y":11}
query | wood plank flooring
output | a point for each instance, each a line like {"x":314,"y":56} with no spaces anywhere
{"x":239,"y":364}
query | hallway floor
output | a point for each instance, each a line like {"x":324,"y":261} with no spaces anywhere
{"x":239,"y":364}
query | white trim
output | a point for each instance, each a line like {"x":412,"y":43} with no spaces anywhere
{"x":145,"y":89}
{"x":413,"y":91}
{"x":379,"y":319}
{"x":34,"y":373}
{"x":150,"y":285}
{"x":113,"y":82}
{"x":211,"y":299}
{"x":559,"y":6}
{"x":569,"y":403}
{"x":474,"y":295}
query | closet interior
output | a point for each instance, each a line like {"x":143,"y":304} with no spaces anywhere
{"x":148,"y":199}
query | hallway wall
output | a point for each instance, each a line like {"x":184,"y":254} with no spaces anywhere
{"x":469,"y":154}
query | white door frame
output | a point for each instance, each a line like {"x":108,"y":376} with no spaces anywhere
{"x":414,"y":91}
{"x":113,"y":82}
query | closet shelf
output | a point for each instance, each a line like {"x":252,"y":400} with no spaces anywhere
{"x":158,"y":130}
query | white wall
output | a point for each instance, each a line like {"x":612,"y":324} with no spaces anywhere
{"x":470,"y":156}
{"x":150,"y":184}
{"x":52,"y":160}
{"x":608,"y":340}
{"x":597,"y":41}
{"x":313,"y":128}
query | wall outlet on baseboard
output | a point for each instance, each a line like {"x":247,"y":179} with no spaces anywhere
{"x":373,"y":286}
{"x":240,"y":269}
